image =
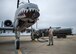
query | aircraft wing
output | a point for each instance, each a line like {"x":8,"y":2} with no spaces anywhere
{"x":4,"y":29}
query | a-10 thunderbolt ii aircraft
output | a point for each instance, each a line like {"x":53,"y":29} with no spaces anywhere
{"x":26,"y":15}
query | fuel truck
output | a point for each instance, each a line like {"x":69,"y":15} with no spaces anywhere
{"x":60,"y":33}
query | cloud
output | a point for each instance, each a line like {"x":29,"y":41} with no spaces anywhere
{"x":52,"y":12}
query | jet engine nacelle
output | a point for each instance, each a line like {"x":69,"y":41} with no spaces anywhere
{"x":7,"y":23}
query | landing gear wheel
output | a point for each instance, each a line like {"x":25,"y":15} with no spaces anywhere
{"x":17,"y":44}
{"x":64,"y":36}
{"x":32,"y":38}
{"x":58,"y":36}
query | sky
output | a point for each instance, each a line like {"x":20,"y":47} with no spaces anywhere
{"x":55,"y":13}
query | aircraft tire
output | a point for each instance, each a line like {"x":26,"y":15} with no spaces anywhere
{"x":58,"y":36}
{"x":17,"y":45}
{"x":64,"y":36}
{"x":32,"y":38}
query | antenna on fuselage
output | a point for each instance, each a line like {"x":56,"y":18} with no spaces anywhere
{"x":18,"y":3}
{"x":28,"y":1}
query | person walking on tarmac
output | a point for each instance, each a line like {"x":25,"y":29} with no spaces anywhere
{"x":50,"y":30}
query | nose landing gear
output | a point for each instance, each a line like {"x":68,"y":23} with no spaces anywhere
{"x":17,"y":41}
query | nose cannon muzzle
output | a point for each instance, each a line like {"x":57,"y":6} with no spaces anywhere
{"x":36,"y":15}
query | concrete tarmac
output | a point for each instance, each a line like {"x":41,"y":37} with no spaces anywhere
{"x":61,"y":46}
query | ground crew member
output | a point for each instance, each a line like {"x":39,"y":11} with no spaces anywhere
{"x":33,"y":35}
{"x":50,"y":30}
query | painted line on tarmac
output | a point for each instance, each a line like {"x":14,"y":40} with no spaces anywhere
{"x":19,"y":51}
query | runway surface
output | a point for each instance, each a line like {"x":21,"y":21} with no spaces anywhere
{"x":61,"y":46}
